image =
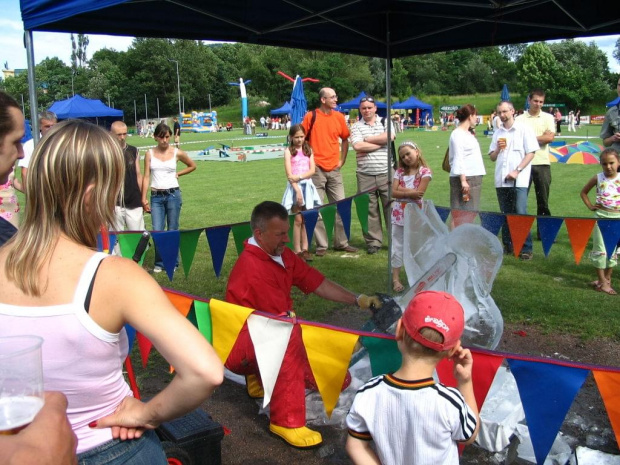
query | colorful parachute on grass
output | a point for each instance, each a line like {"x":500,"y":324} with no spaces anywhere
{"x":581,"y":153}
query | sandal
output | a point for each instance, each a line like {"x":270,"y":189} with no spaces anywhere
{"x":397,"y":286}
{"x":595,"y":284}
{"x":609,"y":291}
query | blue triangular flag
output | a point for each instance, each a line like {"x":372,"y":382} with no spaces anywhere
{"x":610,"y":230}
{"x":131,"y":335}
{"x":310,"y":219}
{"x":344,"y":210}
{"x":547,"y":392}
{"x":548,"y":228}
{"x":167,"y":243}
{"x":218,"y":241}
{"x":492,"y":222}
{"x":443,"y":213}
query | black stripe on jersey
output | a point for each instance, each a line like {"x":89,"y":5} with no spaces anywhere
{"x":362,"y":436}
{"x":468,"y":424}
{"x":371,"y":383}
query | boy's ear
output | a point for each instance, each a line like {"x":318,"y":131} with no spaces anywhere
{"x":454,"y":349}
{"x":399,"y":330}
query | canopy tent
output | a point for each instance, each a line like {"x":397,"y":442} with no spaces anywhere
{"x":80,"y":107}
{"x":283,"y":110}
{"x":421,"y":109}
{"x":505,"y":95}
{"x":354,"y":104}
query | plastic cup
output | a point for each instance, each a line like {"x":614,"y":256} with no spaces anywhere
{"x":21,"y":382}
{"x":503,"y":140}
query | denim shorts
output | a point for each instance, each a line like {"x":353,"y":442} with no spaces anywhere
{"x":144,"y":451}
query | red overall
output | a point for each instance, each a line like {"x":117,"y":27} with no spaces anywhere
{"x":258,"y":282}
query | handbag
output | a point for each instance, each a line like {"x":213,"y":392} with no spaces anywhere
{"x":446,"y":161}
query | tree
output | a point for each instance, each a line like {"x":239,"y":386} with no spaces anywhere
{"x":78,"y":51}
{"x":536,"y":68}
{"x":617,"y":51}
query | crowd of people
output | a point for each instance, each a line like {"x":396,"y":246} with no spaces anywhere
{"x":48,"y":267}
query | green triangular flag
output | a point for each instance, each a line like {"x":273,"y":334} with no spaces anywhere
{"x":128,"y":243}
{"x":384,"y":355}
{"x":191,"y":316}
{"x":291,"y":223}
{"x":203,"y":317}
{"x":241,"y":232}
{"x":361,"y":206}
{"x":329,"y":218}
{"x":188,"y":244}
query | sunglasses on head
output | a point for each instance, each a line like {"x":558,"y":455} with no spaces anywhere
{"x":367,"y":99}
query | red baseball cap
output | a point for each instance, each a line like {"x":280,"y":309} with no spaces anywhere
{"x":439,"y":311}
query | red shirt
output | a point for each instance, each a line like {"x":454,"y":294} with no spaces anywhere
{"x":258,"y":282}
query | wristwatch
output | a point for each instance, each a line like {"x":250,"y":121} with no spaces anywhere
{"x":519,"y":169}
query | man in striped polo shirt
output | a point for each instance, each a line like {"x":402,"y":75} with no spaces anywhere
{"x":370,"y":141}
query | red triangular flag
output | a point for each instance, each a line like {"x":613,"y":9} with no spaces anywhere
{"x":579,"y":231}
{"x":519,"y":226}
{"x":145,"y":347}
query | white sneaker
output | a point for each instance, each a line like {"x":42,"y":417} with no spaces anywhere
{"x":158,"y":269}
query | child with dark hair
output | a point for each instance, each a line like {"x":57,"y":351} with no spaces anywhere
{"x":410,"y":417}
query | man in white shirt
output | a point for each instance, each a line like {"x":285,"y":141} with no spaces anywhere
{"x":47,"y":119}
{"x":512,"y":149}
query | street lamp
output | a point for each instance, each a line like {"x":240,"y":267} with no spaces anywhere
{"x":178,"y":82}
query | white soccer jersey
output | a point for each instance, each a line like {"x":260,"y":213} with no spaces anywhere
{"x":411,"y":422}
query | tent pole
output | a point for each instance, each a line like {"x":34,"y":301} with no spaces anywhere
{"x":388,"y":91}
{"x":32,"y":90}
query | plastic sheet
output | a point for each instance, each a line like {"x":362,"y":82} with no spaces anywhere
{"x":479,"y":257}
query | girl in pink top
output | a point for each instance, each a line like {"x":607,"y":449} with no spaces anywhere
{"x":300,"y":193}
{"x":56,"y":286}
{"x":607,"y":206}
{"x":410,"y":182}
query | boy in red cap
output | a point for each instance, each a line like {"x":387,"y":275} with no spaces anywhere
{"x":410,"y":418}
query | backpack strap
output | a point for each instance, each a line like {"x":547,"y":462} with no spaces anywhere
{"x":311,"y":125}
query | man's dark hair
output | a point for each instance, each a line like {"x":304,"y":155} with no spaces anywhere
{"x":6,"y":122}
{"x":537,"y":92}
{"x":265,"y":211}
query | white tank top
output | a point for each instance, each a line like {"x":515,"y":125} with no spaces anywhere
{"x":80,"y":358}
{"x":164,"y":173}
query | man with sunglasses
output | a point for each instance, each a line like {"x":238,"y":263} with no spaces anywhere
{"x":369,"y":139}
{"x":328,"y":134}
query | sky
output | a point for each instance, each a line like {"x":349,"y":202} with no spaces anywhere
{"x":48,"y":44}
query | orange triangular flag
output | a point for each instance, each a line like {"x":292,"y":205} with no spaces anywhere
{"x":609,"y":386}
{"x":329,"y":353}
{"x":463,"y":217}
{"x":227,"y":320}
{"x":519,"y":226}
{"x":579,"y":231}
{"x":145,"y":346}
{"x":182,"y":303}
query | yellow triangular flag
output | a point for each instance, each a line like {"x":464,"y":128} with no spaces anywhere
{"x":227,"y":320}
{"x":329,"y":353}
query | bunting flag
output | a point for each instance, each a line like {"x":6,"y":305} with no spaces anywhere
{"x":579,"y":231}
{"x":463,"y":217}
{"x":145,"y":347}
{"x":181,"y":302}
{"x":203,"y":319}
{"x":383,"y":353}
{"x":310,"y":219}
{"x":113,"y":238}
{"x":241,"y":232}
{"x":548,"y":228}
{"x":329,"y":352}
{"x":519,"y":226}
{"x":128,"y":244}
{"x":443,"y":213}
{"x":547,"y":392}
{"x":291,"y":225}
{"x":131,"y":335}
{"x":344,"y":210}
{"x":609,"y":386}
{"x":492,"y":222}
{"x":218,"y":241}
{"x":227,"y":320}
{"x":328,"y":214}
{"x":191,"y":316}
{"x":610,"y":230}
{"x":188,"y":244}
{"x":167,"y":243}
{"x":270,"y":339}
{"x":361,"y":207}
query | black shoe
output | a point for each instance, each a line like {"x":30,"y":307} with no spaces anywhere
{"x":373,"y":249}
{"x":526,"y":256}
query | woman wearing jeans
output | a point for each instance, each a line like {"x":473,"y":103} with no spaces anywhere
{"x":160,"y":170}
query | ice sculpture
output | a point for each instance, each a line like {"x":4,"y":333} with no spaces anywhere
{"x":478,"y":259}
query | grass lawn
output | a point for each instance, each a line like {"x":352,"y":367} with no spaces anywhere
{"x":551,"y":293}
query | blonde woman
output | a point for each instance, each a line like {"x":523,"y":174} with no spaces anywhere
{"x":56,"y":286}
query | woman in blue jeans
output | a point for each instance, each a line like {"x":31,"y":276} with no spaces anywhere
{"x":160,"y":171}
